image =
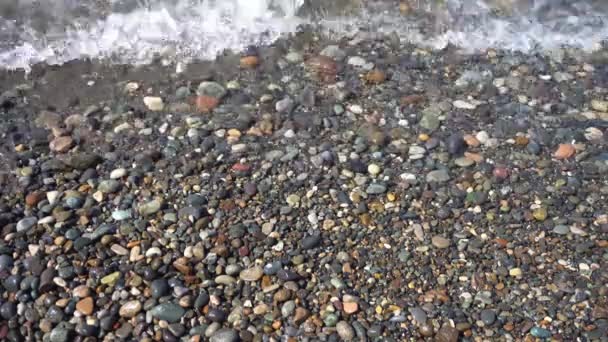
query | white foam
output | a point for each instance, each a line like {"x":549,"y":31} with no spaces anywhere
{"x":176,"y":29}
{"x":183,"y":29}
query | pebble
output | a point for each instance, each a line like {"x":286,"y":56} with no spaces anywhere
{"x":561,"y":230}
{"x":593,"y":134}
{"x":419,"y":315}
{"x":447,"y":334}
{"x":564,"y":151}
{"x":169,"y":312}
{"x":211,"y":89}
{"x":460,"y":104}
{"x":85,"y":306}
{"x":456,"y":144}
{"x":515,"y":272}
{"x":440,"y":242}
{"x":130,"y":309}
{"x":373,"y":169}
{"x":159,"y":288}
{"x":376,"y":188}
{"x":438,"y":176}
{"x":540,"y":332}
{"x":488,"y":317}
{"x":154,"y":103}
{"x":599,"y":105}
{"x":252,"y":274}
{"x":311,"y":241}
{"x":224,"y":335}
{"x":61,"y":144}
{"x":26,"y":224}
{"x":225,"y":280}
{"x":118,"y":173}
{"x":345,"y":331}
{"x":150,"y":208}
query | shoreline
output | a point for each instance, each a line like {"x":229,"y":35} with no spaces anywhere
{"x":355,"y":189}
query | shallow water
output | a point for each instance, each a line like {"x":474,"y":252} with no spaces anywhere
{"x":134,"y":31}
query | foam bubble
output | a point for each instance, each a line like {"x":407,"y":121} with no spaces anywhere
{"x":184,"y":29}
{"x":176,"y":29}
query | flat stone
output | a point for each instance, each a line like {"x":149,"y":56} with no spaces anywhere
{"x":211,"y":89}
{"x":376,"y":189}
{"x":464,"y":162}
{"x":118,"y":173}
{"x":447,"y":334}
{"x":59,"y":334}
{"x":154,"y":103}
{"x":85,"y":306}
{"x":110,"y":279}
{"x":169,"y":312}
{"x":599,"y":105}
{"x":561,"y":229}
{"x":159,"y":288}
{"x":61,"y":144}
{"x":488,"y":317}
{"x":26,"y":224}
{"x":252,"y":274}
{"x":345,"y":331}
{"x":419,"y":315}
{"x":150,"y":208}
{"x":438,"y":176}
{"x":130,"y":309}
{"x":225,"y":335}
{"x":440,"y":242}
{"x":460,"y":104}
{"x":225,"y":279}
{"x":311,"y":241}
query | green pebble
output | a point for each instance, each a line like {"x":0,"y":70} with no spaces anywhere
{"x":331,"y":320}
{"x":110,"y":279}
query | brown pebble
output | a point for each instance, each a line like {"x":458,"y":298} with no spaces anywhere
{"x":301,"y":314}
{"x":249,"y":62}
{"x":471,"y":140}
{"x":324,"y":67}
{"x":61,"y":144}
{"x":405,"y":8}
{"x":447,"y":334}
{"x":350,"y":307}
{"x":426,"y":330}
{"x":375,"y":76}
{"x":206,"y":104}
{"x":411,"y":99}
{"x":33,"y":198}
{"x":521,"y":140}
{"x":85,"y":306}
{"x":564,"y":151}
{"x":81,"y":291}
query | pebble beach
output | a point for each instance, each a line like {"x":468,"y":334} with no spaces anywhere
{"x":316,"y":189}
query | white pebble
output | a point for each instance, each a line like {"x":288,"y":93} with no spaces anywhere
{"x":373,"y":169}
{"x":118,"y":173}
{"x":154,"y":103}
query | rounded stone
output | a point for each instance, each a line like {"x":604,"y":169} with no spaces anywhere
{"x":345,"y":331}
{"x":130,"y":309}
{"x":252,"y":274}
{"x":159,"y":288}
{"x":488,"y":317}
{"x":224,"y":335}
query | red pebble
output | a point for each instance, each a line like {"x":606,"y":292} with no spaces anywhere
{"x":501,"y":172}
{"x":241,"y":167}
{"x":244,"y":251}
{"x":3,"y":331}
